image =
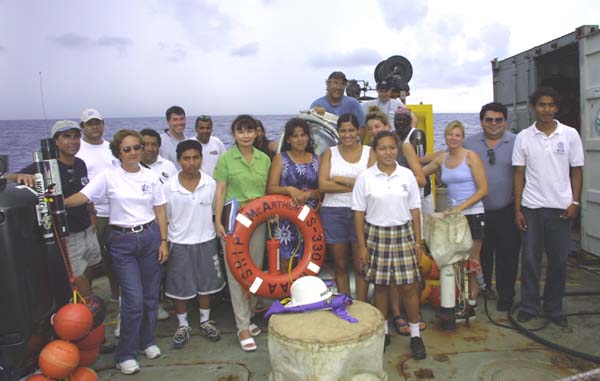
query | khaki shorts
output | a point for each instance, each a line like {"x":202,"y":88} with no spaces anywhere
{"x":84,"y":250}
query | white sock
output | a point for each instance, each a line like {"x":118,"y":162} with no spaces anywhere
{"x":472,"y":302}
{"x":385,"y":327}
{"x":204,"y":315}
{"x":183,"y":322}
{"x":414,"y":329}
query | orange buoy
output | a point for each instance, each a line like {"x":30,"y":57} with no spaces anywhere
{"x":39,"y":377}
{"x":434,"y":273}
{"x":425,"y":264}
{"x":97,"y":307}
{"x":73,"y":321}
{"x":84,"y":374}
{"x":88,"y":356}
{"x":93,"y":339}
{"x":58,"y":359}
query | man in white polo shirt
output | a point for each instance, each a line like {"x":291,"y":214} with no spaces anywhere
{"x":548,"y":160}
{"x":194,"y":268}
{"x":95,"y":152}
{"x":212,"y":147}
{"x":151,"y":158}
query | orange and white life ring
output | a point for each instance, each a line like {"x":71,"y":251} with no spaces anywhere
{"x":266,"y":284}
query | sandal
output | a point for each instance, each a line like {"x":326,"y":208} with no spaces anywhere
{"x":400,"y":325}
{"x":254,"y":330}
{"x":248,"y":345}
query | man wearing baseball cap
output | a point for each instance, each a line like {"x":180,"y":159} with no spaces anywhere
{"x":384,"y":101}
{"x":82,"y":244}
{"x":336,"y":102}
{"x":95,"y":152}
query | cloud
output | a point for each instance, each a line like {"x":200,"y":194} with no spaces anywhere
{"x":119,"y":43}
{"x":358,"y":57}
{"x":400,"y":14}
{"x":174,"y":53}
{"x":204,"y":23}
{"x":71,"y":40}
{"x":250,"y":49}
{"x":2,"y":48}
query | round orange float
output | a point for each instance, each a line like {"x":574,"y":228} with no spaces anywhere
{"x":39,"y":377}
{"x":88,"y":356}
{"x":58,"y":359}
{"x":73,"y":321}
{"x":93,"y":339}
{"x":84,"y":374}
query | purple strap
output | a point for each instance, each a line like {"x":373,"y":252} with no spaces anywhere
{"x":337,"y":304}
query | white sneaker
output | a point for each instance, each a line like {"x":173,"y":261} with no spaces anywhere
{"x":162,"y":313}
{"x":128,"y":366}
{"x":118,"y":326}
{"x":152,"y":352}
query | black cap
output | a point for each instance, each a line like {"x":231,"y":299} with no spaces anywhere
{"x":338,"y":74}
{"x":384,"y":85}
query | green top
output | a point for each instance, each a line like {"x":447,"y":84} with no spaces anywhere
{"x":245,"y":182}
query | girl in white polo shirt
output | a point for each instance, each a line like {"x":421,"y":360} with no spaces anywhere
{"x":386,"y":202}
{"x":137,"y":243}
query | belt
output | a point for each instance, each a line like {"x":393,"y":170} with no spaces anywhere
{"x":133,"y":229}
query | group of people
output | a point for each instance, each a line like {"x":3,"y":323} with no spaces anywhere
{"x":158,"y":199}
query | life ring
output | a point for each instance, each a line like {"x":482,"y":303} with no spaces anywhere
{"x":250,"y":277}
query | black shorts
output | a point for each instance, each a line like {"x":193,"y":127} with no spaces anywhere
{"x":476,"y":225}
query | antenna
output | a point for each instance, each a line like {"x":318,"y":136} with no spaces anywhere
{"x":42,"y":94}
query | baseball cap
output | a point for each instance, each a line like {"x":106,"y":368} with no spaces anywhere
{"x":338,"y":74}
{"x":64,"y":125}
{"x":90,"y":113}
{"x":383,"y":85}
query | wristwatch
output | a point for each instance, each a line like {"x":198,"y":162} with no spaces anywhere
{"x":576,"y":203}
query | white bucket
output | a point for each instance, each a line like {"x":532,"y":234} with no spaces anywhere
{"x":319,"y":346}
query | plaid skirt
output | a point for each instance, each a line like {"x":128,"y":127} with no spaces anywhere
{"x":392,"y":257}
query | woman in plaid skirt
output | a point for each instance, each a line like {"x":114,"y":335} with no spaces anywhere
{"x":386,"y":203}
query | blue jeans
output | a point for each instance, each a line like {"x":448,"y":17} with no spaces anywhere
{"x":135,"y":262}
{"x":546,"y":232}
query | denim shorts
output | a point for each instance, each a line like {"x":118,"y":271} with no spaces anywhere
{"x":338,"y":223}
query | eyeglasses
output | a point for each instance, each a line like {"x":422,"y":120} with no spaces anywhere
{"x":135,"y":147}
{"x":491,"y":154}
{"x":494,"y":120}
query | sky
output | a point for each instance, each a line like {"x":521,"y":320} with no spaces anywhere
{"x":138,"y":57}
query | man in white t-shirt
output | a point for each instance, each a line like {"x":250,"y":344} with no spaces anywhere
{"x":384,"y":101}
{"x":173,"y":135}
{"x":194,"y":268}
{"x":95,"y":152}
{"x":548,"y":160}
{"x":212,"y":147}
{"x":151,"y":158}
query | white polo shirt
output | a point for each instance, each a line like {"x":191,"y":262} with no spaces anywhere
{"x":547,"y":161}
{"x":98,"y":157}
{"x":131,"y":196}
{"x":211,"y":152}
{"x":190,"y":213}
{"x":163,"y":168}
{"x":387,"y":200}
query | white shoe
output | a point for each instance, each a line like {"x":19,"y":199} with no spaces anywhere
{"x":152,"y":352}
{"x":128,"y":366}
{"x":162,"y":313}
{"x":118,"y":326}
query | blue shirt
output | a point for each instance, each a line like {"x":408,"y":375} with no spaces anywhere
{"x":500,"y":175}
{"x":347,"y":105}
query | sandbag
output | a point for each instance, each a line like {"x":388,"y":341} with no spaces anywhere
{"x":448,"y":238}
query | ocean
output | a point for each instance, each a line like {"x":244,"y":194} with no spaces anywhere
{"x":19,"y":138}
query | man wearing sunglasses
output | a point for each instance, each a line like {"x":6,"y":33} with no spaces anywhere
{"x":501,"y":242}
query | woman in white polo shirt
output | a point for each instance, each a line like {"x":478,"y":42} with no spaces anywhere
{"x":386,"y":202}
{"x":137,"y":243}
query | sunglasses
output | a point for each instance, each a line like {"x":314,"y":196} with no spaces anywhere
{"x":491,"y":154}
{"x":494,"y":120}
{"x":135,"y":147}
